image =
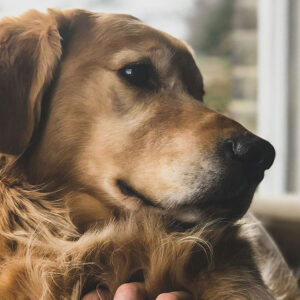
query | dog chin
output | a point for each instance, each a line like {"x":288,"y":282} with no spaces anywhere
{"x":188,"y":216}
{"x":215,"y":209}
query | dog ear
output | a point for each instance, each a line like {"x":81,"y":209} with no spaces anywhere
{"x":30,"y":48}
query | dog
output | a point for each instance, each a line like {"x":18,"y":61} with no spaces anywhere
{"x":106,"y":114}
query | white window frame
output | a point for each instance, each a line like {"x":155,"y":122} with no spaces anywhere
{"x":278,"y":71}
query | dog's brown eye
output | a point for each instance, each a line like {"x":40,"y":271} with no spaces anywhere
{"x":138,"y":74}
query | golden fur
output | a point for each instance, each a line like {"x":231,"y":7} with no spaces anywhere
{"x":43,"y":257}
{"x":107,"y":150}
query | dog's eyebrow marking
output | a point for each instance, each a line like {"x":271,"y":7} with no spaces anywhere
{"x":157,"y":54}
{"x":124,"y":57}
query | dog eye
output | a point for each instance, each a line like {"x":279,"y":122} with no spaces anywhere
{"x":138,"y":74}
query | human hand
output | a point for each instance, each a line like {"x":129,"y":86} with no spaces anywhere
{"x":135,"y":291}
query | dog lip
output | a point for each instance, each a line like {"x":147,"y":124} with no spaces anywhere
{"x":256,"y":175}
{"x":238,"y":192}
{"x":237,"y":204}
{"x":129,"y":191}
{"x":225,"y":203}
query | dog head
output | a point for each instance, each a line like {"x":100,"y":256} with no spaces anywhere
{"x":123,"y":119}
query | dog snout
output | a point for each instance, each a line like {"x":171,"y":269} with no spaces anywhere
{"x":250,"y":151}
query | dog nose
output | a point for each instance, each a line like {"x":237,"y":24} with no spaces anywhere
{"x":251,"y":150}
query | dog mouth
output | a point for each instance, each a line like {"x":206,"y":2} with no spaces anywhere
{"x":235,"y":205}
{"x":229,"y":204}
{"x":232,"y":200}
{"x":129,"y":191}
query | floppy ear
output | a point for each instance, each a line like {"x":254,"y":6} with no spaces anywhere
{"x":30,"y":48}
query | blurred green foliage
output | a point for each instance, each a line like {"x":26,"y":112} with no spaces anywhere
{"x":210,"y":36}
{"x":218,"y":97}
{"x":217,"y":81}
{"x":211,"y":25}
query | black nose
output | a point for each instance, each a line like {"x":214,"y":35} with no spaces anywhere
{"x":251,"y":150}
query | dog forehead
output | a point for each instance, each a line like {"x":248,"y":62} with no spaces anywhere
{"x":98,"y":41}
{"x":127,"y":38}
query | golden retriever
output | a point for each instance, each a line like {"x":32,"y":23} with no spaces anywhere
{"x":106,"y":114}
